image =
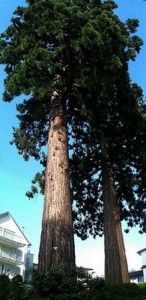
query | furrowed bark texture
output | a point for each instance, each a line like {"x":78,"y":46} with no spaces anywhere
{"x":116,"y":269}
{"x":57,"y":241}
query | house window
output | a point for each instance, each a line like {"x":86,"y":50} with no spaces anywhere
{"x":26,"y":277}
{"x":18,"y":255}
{"x":6,"y":269}
{"x":27,"y":262}
{"x":8,"y":253}
{"x":1,"y":231}
{"x":17,"y":271}
{"x":9,"y":235}
{"x":2,"y":269}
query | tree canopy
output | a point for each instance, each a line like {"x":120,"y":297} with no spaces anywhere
{"x":90,"y":47}
{"x":80,"y":50}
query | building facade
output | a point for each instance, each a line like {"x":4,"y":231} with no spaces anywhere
{"x":136,"y":276}
{"x":140,"y":275}
{"x":142,"y":253}
{"x":15,"y":257}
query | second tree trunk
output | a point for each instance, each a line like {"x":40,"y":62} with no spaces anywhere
{"x":116,"y":269}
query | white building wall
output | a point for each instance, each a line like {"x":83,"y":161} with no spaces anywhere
{"x":24,"y":253}
{"x":8,"y":223}
{"x":28,"y":266}
{"x":143,"y":258}
{"x":142,"y":253}
{"x":9,"y":231}
{"x":144,"y":275}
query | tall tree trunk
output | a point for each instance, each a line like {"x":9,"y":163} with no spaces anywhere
{"x":57,"y":241}
{"x":116,"y":269}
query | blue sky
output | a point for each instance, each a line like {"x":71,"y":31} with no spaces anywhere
{"x":16,"y":174}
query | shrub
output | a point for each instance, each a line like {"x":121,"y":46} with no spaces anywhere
{"x":77,"y":284}
{"x":17,"y":289}
{"x":56,"y":285}
{"x":4,"y":287}
{"x":124,"y":291}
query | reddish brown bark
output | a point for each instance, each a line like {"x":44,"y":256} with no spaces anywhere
{"x":57,"y":242}
{"x":116,"y":269}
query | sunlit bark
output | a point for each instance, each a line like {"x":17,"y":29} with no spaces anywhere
{"x":57,"y":242}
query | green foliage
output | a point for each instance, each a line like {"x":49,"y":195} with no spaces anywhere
{"x":86,"y":44}
{"x":78,"y":285}
{"x":125,"y":291}
{"x":17,"y":289}
{"x":13,"y":289}
{"x":4,"y":287}
{"x":57,"y":284}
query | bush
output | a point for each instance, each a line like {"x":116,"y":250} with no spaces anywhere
{"x":77,"y":284}
{"x":11,"y":289}
{"x":56,"y":285}
{"x":123,"y":291}
{"x":17,"y":289}
{"x":4,"y":287}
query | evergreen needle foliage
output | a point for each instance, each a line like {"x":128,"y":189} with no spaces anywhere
{"x":89,"y":47}
{"x":82,"y":49}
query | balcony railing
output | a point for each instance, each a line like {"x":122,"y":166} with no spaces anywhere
{"x":11,"y":237}
{"x":11,"y":260}
{"x":10,"y":254}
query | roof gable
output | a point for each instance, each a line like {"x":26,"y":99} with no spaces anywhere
{"x":5,"y":218}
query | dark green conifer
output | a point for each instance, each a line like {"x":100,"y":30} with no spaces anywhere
{"x":70,"y":58}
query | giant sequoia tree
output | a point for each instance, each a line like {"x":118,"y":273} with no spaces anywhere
{"x":66,"y":58}
{"x":42,"y":56}
{"x":110,"y":179}
{"x":110,"y":175}
{"x":112,"y":169}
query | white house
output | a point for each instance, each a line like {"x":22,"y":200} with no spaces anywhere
{"x":140,"y":276}
{"x":142,"y":253}
{"x":136,"y":276}
{"x":15,"y":257}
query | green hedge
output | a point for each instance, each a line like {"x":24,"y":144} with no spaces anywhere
{"x":12,"y":289}
{"x":4,"y":286}
{"x":56,"y":285}
{"x":78,"y":285}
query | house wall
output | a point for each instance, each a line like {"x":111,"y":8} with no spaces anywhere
{"x":13,"y":248}
{"x":8,"y":223}
{"x":144,"y":274}
{"x":143,"y":258}
{"x":28,"y":266}
{"x":137,"y":280}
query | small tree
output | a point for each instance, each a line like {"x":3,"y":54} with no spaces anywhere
{"x":4,"y":287}
{"x":17,"y":289}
